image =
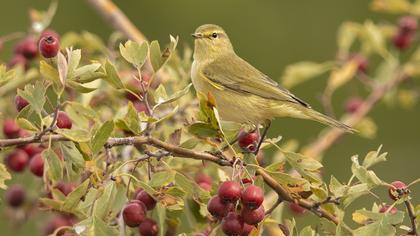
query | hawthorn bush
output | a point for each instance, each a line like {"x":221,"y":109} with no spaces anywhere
{"x":123,"y":146}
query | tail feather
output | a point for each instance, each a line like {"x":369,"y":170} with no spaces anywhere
{"x":324,"y":119}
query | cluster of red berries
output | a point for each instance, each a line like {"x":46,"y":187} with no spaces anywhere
{"x":135,"y":213}
{"x":407,"y":27}
{"x":27,"y":49}
{"x":224,"y":207}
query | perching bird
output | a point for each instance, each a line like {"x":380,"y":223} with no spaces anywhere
{"x":242,"y":93}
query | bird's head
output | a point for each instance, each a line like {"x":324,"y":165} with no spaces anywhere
{"x":211,"y":41}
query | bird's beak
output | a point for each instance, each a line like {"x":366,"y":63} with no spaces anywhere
{"x":197,"y":35}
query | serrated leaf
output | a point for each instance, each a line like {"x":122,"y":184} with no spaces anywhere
{"x":374,"y":157}
{"x":4,"y":175}
{"x":202,"y":129}
{"x":55,"y":169}
{"x":76,"y":135}
{"x":74,"y":197}
{"x":157,"y":57}
{"x":35,"y":95}
{"x":365,"y":176}
{"x":28,"y":119}
{"x":86,"y":70}
{"x":164,"y":99}
{"x":112,"y":76}
{"x":134,"y":52}
{"x":72,"y":156}
{"x":131,"y":120}
{"x":101,"y":136}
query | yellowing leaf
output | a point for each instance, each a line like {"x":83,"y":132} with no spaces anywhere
{"x":341,"y":76}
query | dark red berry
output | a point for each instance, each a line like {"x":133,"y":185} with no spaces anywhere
{"x":203,"y":178}
{"x":36,"y":165}
{"x":253,"y":216}
{"x":248,"y":141}
{"x":229,"y":191}
{"x":148,"y":200}
{"x":11,"y":128}
{"x":141,"y":107}
{"x":408,"y":24}
{"x":55,"y":223}
{"x":219,"y":209}
{"x":32,"y":149}
{"x":17,"y":160}
{"x":134,"y":213}
{"x":385,"y":208}
{"x":362,"y":63}
{"x":402,"y":41}
{"x":15,"y":196}
{"x":232,"y":224}
{"x":252,"y":197}
{"x":246,"y":230}
{"x":20,"y":103}
{"x":66,"y":188}
{"x":49,"y":46}
{"x":397,"y":190}
{"x":18,"y":59}
{"x":295,"y":208}
{"x":353,"y":104}
{"x":63,"y":121}
{"x":27,"y":47}
{"x":148,"y":228}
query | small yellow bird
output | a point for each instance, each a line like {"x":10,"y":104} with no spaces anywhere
{"x":242,"y":93}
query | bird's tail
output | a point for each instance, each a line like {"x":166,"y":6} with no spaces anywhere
{"x":324,"y":119}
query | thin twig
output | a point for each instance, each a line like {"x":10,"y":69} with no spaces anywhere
{"x":276,"y":204}
{"x":412,"y":216}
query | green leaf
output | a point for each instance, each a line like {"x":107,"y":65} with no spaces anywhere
{"x":131,"y":121}
{"x":28,"y":119}
{"x":303,"y":71}
{"x":341,"y":76}
{"x":101,"y":136}
{"x":287,"y":180}
{"x":72,"y":156}
{"x":4,"y":175}
{"x":62,"y":67}
{"x":365,"y":176}
{"x":184,"y":183}
{"x":74,"y":197}
{"x":374,"y":157}
{"x":102,"y":206}
{"x":95,"y":226}
{"x":347,"y":34}
{"x":73,"y":58}
{"x":78,"y":87}
{"x":158,"y":58}
{"x":383,"y":224}
{"x":161,"y":214}
{"x":86,"y":70}
{"x":354,"y":192}
{"x":6,"y":75}
{"x":55,"y":169}
{"x":162,"y":178}
{"x":134,"y":52}
{"x":35,"y":95}
{"x":112,"y":76}
{"x":76,"y":135}
{"x":165,"y":100}
{"x":307,"y":231}
{"x":307,"y":167}
{"x":202,"y":129}
{"x":51,"y":74}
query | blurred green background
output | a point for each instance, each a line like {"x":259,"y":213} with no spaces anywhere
{"x":270,"y":35}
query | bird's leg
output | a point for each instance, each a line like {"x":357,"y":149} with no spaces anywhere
{"x":264,"y":133}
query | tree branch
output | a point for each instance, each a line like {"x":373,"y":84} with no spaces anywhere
{"x":326,"y":140}
{"x":412,"y":216}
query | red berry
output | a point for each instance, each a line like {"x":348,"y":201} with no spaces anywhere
{"x":232,"y":224}
{"x":246,"y":230}
{"x":353,"y":104}
{"x":148,"y":228}
{"x":248,"y":141}
{"x":27,"y":47}
{"x":205,"y":186}
{"x":18,"y":59}
{"x":295,"y":208}
{"x":385,"y":208}
{"x":55,"y":223}
{"x":66,"y":188}
{"x":398,"y":190}
{"x":36,"y":165}
{"x":17,"y":160}
{"x":203,"y":178}
{"x":217,"y":208}
{"x":50,"y":32}
{"x":11,"y":128}
{"x":252,"y":197}
{"x":148,"y":200}
{"x":20,"y":103}
{"x":32,"y":149}
{"x":49,"y":46}
{"x":408,"y":24}
{"x":402,"y":41}
{"x":134,"y":213}
{"x":229,"y":191}
{"x":362,"y":63}
{"x":253,"y":216}
{"x":63,"y":121}
{"x":15,"y":196}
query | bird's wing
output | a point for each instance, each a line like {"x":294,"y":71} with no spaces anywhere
{"x":236,"y":74}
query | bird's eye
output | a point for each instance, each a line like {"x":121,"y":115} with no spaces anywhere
{"x":214,"y":35}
